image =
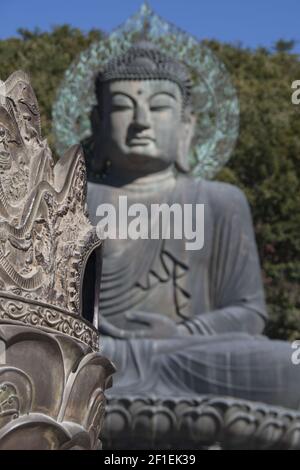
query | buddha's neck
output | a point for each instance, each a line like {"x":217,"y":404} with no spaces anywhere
{"x":146,"y":184}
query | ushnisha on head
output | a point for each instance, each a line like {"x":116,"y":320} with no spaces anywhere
{"x":143,"y":122}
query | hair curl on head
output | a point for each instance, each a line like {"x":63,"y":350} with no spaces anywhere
{"x":144,"y":61}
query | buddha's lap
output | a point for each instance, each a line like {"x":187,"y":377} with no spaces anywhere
{"x":238,"y":365}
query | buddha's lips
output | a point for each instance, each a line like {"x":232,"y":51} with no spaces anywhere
{"x":140,"y":141}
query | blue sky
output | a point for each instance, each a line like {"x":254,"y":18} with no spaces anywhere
{"x":251,"y":22}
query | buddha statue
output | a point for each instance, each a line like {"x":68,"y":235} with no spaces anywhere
{"x":176,"y":321}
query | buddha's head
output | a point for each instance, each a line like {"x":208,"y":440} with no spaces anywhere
{"x":143,"y":122}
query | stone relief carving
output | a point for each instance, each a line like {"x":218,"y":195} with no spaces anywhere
{"x":45,"y":234}
{"x":52,"y":378}
{"x":199,"y":422}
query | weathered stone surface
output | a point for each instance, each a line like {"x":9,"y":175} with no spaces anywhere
{"x":204,"y":422}
{"x":176,"y":323}
{"x":52,"y":377}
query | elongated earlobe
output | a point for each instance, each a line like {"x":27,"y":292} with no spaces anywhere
{"x":187,"y":133}
{"x":98,"y":158}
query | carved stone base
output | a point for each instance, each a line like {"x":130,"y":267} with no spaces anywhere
{"x":198,"y":422}
{"x":51,"y":390}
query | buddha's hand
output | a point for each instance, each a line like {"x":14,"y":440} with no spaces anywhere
{"x":156,"y":325}
{"x":153,"y":325}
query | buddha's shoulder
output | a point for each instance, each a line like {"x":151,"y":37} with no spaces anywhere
{"x":216,"y":193}
{"x":223,"y":193}
{"x":98,"y":190}
{"x":96,"y":187}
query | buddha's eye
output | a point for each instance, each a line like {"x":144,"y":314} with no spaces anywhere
{"x":121,"y":103}
{"x":160,"y":108}
{"x":162,"y":102}
{"x":119,"y":107}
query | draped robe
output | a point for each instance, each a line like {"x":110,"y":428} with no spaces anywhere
{"x":216,"y":292}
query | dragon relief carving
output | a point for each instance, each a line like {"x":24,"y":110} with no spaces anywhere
{"x":44,"y":230}
{"x":52,"y":377}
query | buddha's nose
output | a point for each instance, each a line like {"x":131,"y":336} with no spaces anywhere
{"x":141,"y":118}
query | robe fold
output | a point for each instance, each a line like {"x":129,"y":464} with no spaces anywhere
{"x":216,"y":292}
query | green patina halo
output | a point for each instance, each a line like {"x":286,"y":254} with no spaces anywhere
{"x":214,"y":97}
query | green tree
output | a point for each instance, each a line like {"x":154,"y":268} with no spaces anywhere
{"x":45,"y":57}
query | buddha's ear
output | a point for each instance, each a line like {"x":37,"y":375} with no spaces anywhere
{"x":95,"y":119}
{"x":187,"y":134}
{"x":98,"y":159}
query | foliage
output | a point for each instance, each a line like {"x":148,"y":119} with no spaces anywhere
{"x":266,"y":165}
{"x":266,"y":160}
{"x":45,"y":57}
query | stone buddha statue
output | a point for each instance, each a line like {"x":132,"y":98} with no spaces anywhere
{"x":176,"y":321}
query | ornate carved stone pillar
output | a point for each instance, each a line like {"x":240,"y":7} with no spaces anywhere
{"x":52,"y":377}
